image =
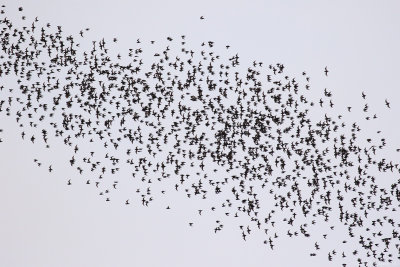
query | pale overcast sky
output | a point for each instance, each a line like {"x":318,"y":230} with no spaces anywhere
{"x":47,"y":223}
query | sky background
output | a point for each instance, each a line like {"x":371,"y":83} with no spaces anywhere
{"x":46,"y":223}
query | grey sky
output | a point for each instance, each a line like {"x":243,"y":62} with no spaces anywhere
{"x":46,"y":223}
